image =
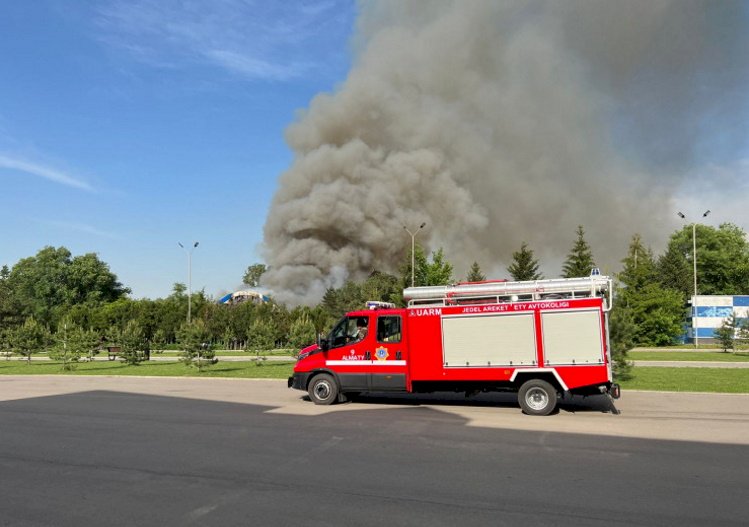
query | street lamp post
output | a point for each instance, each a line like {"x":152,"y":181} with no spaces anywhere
{"x":694,"y":273}
{"x":189,"y":277}
{"x":413,"y":249}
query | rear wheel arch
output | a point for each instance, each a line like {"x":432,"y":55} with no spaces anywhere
{"x":548,"y":376}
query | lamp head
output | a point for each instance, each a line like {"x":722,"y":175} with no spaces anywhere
{"x":180,"y":244}
{"x":679,"y":214}
{"x":706,"y":213}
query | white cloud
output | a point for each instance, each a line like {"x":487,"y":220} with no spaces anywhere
{"x":252,"y":67}
{"x":35,"y":169}
{"x":257,"y":40}
{"x":78,"y":227}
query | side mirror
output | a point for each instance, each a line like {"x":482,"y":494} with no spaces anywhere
{"x":323,"y":344}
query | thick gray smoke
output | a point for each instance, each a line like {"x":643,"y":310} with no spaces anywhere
{"x":502,"y":122}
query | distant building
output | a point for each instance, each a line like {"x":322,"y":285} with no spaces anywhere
{"x":237,"y":297}
{"x":708,"y":312}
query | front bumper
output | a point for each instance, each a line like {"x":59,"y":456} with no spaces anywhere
{"x":298,"y":381}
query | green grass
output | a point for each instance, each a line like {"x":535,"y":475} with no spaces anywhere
{"x":248,"y":370}
{"x":236,"y":353}
{"x":707,"y":356}
{"x":703,"y":347}
{"x":719,"y":380}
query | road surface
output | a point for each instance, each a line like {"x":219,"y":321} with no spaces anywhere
{"x":80,"y":451}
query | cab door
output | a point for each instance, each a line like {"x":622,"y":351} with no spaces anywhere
{"x":389,"y":361}
{"x":350,"y":356}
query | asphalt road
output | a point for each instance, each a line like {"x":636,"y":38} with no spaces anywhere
{"x":82,"y":451}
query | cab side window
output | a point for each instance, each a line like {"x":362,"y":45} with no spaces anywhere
{"x":389,"y":328}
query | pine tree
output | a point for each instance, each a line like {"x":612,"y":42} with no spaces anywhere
{"x":674,"y":271}
{"x":475,"y":274}
{"x":29,"y":338}
{"x":726,"y":333}
{"x":580,"y":260}
{"x":622,"y":331}
{"x":639,"y":266}
{"x":302,"y":332}
{"x":195,"y":341}
{"x":524,"y":266}
{"x":135,"y":346}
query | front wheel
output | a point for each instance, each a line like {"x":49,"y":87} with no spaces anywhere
{"x":323,"y":389}
{"x":537,"y":397}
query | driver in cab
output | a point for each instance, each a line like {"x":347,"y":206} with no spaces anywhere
{"x":361,"y":330}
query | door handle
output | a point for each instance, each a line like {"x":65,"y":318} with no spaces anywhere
{"x":397,"y":355}
{"x":367,"y":355}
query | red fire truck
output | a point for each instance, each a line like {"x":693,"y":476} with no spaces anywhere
{"x":542,"y":339}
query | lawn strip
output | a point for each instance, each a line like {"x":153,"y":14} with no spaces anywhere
{"x":717,"y":380}
{"x":701,"y":356}
{"x":248,"y":370}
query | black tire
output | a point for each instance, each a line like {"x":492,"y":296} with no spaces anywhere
{"x":323,"y":389}
{"x":537,"y":397}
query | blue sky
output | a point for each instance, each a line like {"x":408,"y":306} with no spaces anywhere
{"x":127,"y":126}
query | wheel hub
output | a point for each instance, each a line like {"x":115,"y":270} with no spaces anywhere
{"x":322,"y":390}
{"x":537,"y":398}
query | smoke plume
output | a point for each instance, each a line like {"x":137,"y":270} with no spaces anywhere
{"x":502,"y":122}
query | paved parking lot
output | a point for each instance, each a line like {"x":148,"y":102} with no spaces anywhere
{"x":147,"y":451}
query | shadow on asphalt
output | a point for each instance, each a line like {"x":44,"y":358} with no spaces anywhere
{"x":574,"y":404}
{"x":121,"y":459}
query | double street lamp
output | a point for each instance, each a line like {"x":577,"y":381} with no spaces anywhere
{"x":189,"y":276}
{"x":413,"y":249}
{"x":694,"y":272}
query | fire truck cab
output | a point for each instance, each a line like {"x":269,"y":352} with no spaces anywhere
{"x":542,"y":339}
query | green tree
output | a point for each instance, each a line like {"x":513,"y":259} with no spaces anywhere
{"x":53,"y":278}
{"x":622,"y":331}
{"x":639,"y":267}
{"x":381,"y":286}
{"x":6,"y":347}
{"x":253,"y":273}
{"x":439,"y":271}
{"x":72,"y":342}
{"x":197,"y":349}
{"x":475,"y":274}
{"x":524,"y":266}
{"x":722,"y":258}
{"x":348,"y":297}
{"x":726,"y":333}
{"x":656,"y":312}
{"x":302,"y":332}
{"x":29,"y":338}
{"x":135,"y":346}
{"x":674,"y":271}
{"x":580,"y":260}
{"x":10,"y":309}
{"x":744,"y":330}
{"x":260,"y":336}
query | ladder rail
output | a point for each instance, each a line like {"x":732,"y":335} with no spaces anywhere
{"x":497,"y":292}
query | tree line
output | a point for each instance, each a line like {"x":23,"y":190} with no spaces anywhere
{"x":71,"y":304}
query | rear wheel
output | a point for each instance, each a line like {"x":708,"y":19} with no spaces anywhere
{"x":537,"y":397}
{"x":323,"y":389}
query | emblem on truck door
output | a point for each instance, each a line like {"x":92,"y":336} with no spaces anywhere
{"x":381,"y":353}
